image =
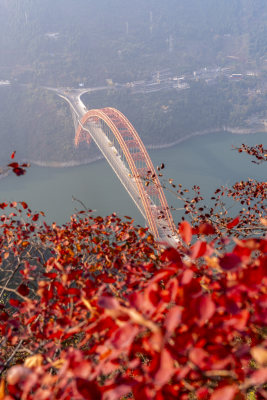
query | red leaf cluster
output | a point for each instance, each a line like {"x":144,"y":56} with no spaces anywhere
{"x":102,"y":312}
{"x":114,"y":315}
{"x":258,"y":152}
{"x":18,"y":169}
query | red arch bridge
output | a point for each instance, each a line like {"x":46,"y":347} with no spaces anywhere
{"x":122,"y":147}
{"x":125,"y":152}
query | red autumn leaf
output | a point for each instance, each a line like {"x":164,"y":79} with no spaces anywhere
{"x":56,"y":335}
{"x":171,"y":289}
{"x":202,"y":393}
{"x":166,"y":368}
{"x":255,"y":276}
{"x":23,"y":290}
{"x":13,"y":155}
{"x":195,"y":230}
{"x":225,"y":393}
{"x":198,"y":249}
{"x":16,"y":374}
{"x":186,"y":277}
{"x":185,"y":231}
{"x":117,"y":392}
{"x":171,"y":255}
{"x":263,"y":246}
{"x":19,"y":171}
{"x":30,"y":320}
{"x":105,"y":278}
{"x":14,"y":302}
{"x":243,"y":252}
{"x":141,"y":392}
{"x":206,"y":229}
{"x":233,"y":223}
{"x":89,"y":390}
{"x":24,"y":205}
{"x":3,"y":317}
{"x":206,"y":308}
{"x":74,"y":292}
{"x":230,"y":262}
{"x":13,"y":165}
{"x":199,"y":357}
{"x":238,"y":321}
{"x":35,"y":217}
{"x":173,"y":319}
{"x":259,"y":377}
{"x":60,"y":288}
{"x":124,"y":336}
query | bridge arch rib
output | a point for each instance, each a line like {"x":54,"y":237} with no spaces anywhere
{"x":131,"y":150}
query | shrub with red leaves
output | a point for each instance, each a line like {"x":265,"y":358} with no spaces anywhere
{"x":113,"y":314}
{"x":100,"y":311}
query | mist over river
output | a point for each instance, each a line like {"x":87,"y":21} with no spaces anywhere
{"x":207,"y":161}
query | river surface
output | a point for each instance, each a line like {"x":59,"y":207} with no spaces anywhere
{"x":207,"y":161}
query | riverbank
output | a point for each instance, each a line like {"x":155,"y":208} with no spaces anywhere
{"x":56,"y":164}
{"x":230,"y":130}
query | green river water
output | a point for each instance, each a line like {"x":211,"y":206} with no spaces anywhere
{"x":207,"y":161}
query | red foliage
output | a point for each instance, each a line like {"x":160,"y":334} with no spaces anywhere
{"x":102,"y":312}
{"x":18,"y":169}
{"x":185,"y":231}
{"x":258,"y":152}
{"x":115,"y":316}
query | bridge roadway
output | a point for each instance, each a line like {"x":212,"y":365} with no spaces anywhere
{"x":73,"y":97}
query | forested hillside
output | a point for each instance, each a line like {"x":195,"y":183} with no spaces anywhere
{"x":68,"y":42}
{"x":123,"y":39}
{"x":38,"y":124}
{"x":168,"y":116}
